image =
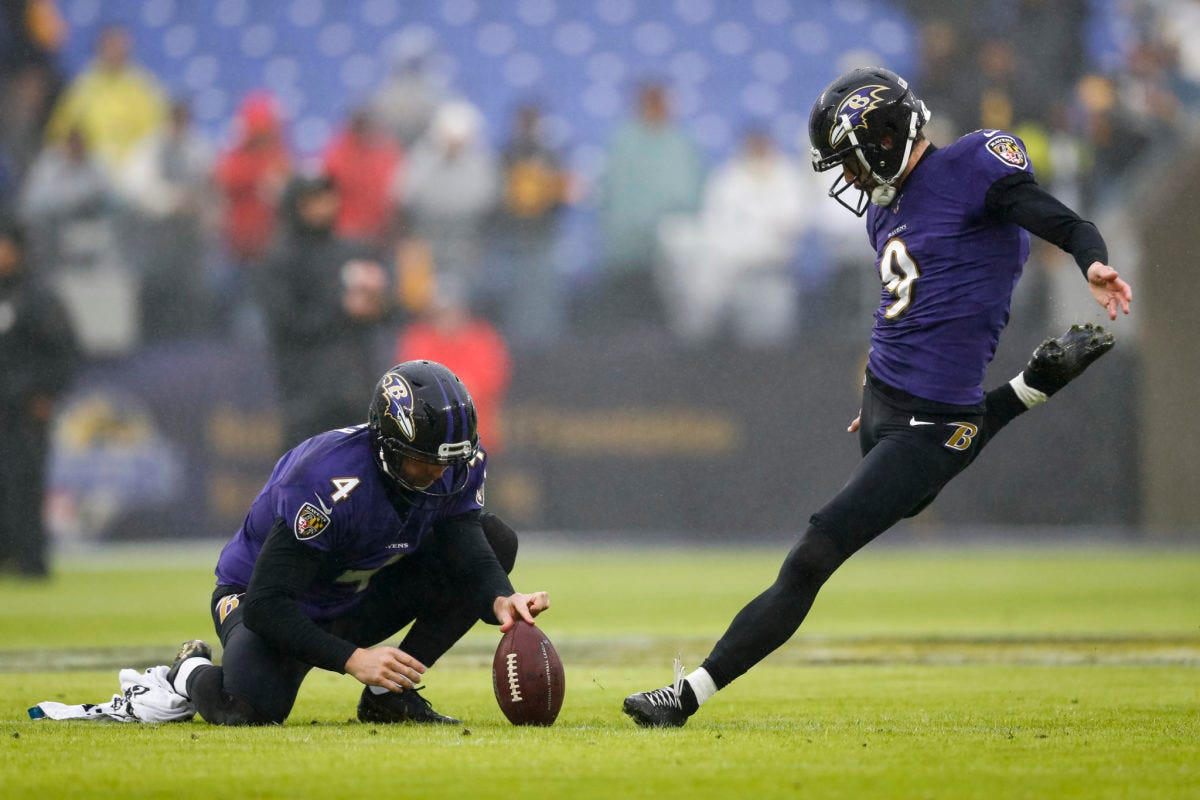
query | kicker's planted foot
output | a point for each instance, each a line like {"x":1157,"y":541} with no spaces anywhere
{"x":668,"y":707}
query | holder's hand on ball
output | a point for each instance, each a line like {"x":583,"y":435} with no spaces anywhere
{"x":519,"y":606}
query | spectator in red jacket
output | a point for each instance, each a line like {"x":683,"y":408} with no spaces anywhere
{"x":251,"y":176}
{"x":470,"y":347}
{"x":362,"y":161}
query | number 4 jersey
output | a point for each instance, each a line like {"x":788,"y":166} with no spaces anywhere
{"x":948,"y":270}
{"x":334,"y":499}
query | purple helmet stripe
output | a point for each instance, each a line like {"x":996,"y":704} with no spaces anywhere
{"x":462,"y":410}
{"x":446,"y":405}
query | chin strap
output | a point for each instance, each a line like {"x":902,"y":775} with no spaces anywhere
{"x":883,"y":195}
{"x":885,"y":192}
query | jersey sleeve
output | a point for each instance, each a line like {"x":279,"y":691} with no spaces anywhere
{"x":985,"y":157}
{"x":1020,"y":200}
{"x":283,"y":570}
{"x":311,"y":517}
{"x":1001,"y":154}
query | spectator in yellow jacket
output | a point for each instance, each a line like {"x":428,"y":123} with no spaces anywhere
{"x":114,"y":102}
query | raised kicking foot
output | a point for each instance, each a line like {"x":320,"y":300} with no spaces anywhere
{"x":1056,"y":362}
{"x":402,"y":706}
{"x":667,"y":707}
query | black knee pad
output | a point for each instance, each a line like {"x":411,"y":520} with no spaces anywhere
{"x":502,"y":538}
{"x":814,"y":557}
{"x":238,"y":712}
{"x":219,"y":707}
{"x":921,"y":506}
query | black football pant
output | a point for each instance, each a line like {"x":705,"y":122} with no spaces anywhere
{"x":911,"y":449}
{"x":257,"y":685}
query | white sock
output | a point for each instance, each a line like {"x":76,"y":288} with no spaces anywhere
{"x":1027,"y":394}
{"x":702,"y":685}
{"x":185,"y":671}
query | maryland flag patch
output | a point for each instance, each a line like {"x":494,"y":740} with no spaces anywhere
{"x":310,"y":522}
{"x":1007,"y":149}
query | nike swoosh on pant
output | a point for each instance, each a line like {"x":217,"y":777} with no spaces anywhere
{"x":913,"y":421}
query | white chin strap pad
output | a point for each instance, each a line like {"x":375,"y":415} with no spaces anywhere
{"x":883,"y":195}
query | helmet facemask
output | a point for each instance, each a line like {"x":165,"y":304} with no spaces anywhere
{"x":886,"y":112}
{"x":390,"y":457}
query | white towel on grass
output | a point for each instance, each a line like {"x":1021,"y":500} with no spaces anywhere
{"x":145,"y":697}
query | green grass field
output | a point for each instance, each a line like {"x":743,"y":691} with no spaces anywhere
{"x":976,"y":673}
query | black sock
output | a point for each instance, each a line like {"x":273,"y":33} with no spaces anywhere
{"x":688,"y":699}
{"x":1002,"y":407}
{"x":1044,"y":384}
{"x":1003,"y":403}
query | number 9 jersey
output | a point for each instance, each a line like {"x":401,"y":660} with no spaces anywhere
{"x":948,"y":269}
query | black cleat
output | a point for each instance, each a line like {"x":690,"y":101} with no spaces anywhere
{"x":1057,"y":362}
{"x":403,"y":706}
{"x":194,"y":648}
{"x":660,"y":708}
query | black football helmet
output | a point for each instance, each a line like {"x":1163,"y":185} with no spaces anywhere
{"x":870,"y":118}
{"x":421,"y":410}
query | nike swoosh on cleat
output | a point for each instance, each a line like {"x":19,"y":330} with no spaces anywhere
{"x":913,"y":421}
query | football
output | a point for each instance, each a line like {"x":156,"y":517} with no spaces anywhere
{"x":528,"y":677}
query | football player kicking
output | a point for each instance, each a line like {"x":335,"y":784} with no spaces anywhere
{"x":357,"y":533}
{"x":949,"y":230}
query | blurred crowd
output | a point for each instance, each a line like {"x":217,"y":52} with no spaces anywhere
{"x":127,"y":204}
{"x":1086,"y":117}
{"x":412,"y":234}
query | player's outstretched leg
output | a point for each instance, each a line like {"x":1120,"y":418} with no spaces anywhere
{"x":1056,"y":362}
{"x":403,"y":706}
{"x":668,"y":707}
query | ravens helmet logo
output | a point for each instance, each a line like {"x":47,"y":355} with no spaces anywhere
{"x":855,"y":107}
{"x":400,"y":403}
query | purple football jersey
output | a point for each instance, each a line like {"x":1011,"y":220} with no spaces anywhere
{"x":948,"y":270}
{"x":335,"y":499}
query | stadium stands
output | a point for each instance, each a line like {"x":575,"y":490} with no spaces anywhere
{"x":728,"y":62}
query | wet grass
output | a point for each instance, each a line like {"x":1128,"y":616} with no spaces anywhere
{"x":981,"y":673}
